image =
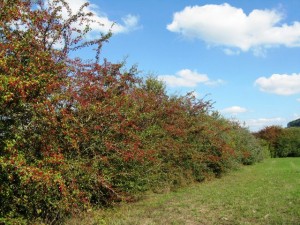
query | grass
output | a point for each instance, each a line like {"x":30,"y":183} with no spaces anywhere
{"x":265,"y":193}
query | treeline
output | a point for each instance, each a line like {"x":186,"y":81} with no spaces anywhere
{"x":281,"y":142}
{"x":76,"y":134}
{"x":294,"y":123}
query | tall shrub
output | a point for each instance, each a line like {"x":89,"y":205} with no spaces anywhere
{"x":289,"y":143}
{"x":271,"y":134}
{"x":36,"y":118}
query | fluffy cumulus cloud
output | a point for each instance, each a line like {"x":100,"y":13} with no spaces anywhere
{"x":230,"y":27}
{"x":234,"y":110}
{"x":102,"y":24}
{"x":188,"y":78}
{"x":280,"y":84}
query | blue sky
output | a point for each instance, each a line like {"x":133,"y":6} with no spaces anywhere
{"x":244,"y":55}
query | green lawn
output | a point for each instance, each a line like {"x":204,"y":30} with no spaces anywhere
{"x":265,"y":193}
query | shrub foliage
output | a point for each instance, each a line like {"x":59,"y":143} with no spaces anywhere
{"x":271,"y":135}
{"x":281,"y":142}
{"x":78,"y":134}
{"x":289,"y":143}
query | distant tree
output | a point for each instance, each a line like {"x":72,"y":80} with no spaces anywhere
{"x":294,"y":123}
{"x":271,"y":134}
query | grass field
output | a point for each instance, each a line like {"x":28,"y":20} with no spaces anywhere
{"x":265,"y":193}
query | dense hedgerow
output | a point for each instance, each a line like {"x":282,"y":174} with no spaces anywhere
{"x":76,"y":135}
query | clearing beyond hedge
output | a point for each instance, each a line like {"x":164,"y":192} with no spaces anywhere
{"x":264,"y":193}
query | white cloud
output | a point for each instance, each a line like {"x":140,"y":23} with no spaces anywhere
{"x":295,"y":116}
{"x":229,"y":51}
{"x":298,"y":99}
{"x":258,"y":124}
{"x":230,"y":27}
{"x":215,"y":82}
{"x":187,"y":78}
{"x":234,"y":110}
{"x":130,"y":22}
{"x":280,"y":84}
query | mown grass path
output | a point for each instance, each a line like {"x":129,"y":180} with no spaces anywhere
{"x":265,"y":193}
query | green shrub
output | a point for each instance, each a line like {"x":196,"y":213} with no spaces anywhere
{"x":271,"y":135}
{"x":289,"y":143}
